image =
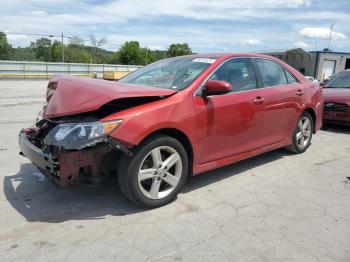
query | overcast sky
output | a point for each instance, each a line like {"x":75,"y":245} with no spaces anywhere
{"x":206,"y":25}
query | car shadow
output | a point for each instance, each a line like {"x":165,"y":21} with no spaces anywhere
{"x":37,"y":199}
{"x":207,"y":178}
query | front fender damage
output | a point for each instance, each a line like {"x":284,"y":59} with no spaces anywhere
{"x":90,"y":165}
{"x":93,"y":163}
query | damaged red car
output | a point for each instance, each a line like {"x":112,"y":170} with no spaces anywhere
{"x":174,"y":118}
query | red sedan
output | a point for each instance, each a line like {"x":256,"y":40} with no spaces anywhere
{"x":176,"y":117}
{"x":336,"y":95}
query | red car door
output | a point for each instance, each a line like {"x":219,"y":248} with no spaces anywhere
{"x":282,"y":98}
{"x":229,"y":124}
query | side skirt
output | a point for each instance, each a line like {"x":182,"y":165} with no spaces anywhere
{"x":236,"y":158}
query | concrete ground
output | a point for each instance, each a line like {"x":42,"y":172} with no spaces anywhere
{"x":274,"y":207}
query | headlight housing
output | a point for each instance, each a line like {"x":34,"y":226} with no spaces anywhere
{"x":80,"y":135}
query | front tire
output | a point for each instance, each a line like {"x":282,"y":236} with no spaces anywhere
{"x":155,"y":173}
{"x":302,"y":135}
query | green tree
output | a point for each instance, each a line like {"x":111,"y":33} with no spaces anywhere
{"x":76,"y":55}
{"x":130,"y":53}
{"x":97,"y":43}
{"x":23,"y":54}
{"x":42,"y":49}
{"x":76,"y":42}
{"x":147,"y":56}
{"x":114,"y":58}
{"x":6,"y":51}
{"x":179,"y":49}
{"x":76,"y":52}
{"x":56,"y":51}
{"x":72,"y":53}
{"x":159,"y":54}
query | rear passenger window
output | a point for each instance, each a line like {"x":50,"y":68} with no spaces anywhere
{"x":272,"y":74}
{"x":290,"y":78}
{"x":239,"y":72}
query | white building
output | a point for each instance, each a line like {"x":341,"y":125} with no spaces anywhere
{"x":319,"y":64}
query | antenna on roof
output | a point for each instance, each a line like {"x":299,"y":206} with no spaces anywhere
{"x":330,"y":37}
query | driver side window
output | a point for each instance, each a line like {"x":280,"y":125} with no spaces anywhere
{"x":239,"y":72}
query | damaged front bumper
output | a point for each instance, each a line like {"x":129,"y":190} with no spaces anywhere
{"x":66,"y":166}
{"x":41,"y":159}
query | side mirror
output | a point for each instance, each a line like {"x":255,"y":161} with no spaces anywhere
{"x":215,"y":87}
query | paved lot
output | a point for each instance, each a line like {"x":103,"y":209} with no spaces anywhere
{"x":274,"y":207}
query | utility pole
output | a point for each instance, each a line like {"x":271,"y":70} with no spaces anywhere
{"x":127,"y":57}
{"x":146,"y":54}
{"x":62,"y":47}
{"x":330,"y":37}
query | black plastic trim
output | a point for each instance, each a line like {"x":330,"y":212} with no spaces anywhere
{"x":35,"y":154}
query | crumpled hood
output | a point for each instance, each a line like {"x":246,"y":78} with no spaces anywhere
{"x":75,"y":95}
{"x":341,"y":95}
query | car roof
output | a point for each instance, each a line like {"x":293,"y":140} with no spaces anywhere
{"x":223,"y":56}
{"x":228,"y":55}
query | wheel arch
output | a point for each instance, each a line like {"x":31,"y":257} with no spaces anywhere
{"x":313,"y":115}
{"x":182,"y":138}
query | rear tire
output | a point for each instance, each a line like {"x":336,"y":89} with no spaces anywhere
{"x":302,"y":134}
{"x":155,"y":173}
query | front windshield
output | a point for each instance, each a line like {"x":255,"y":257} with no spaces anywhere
{"x":341,"y":80}
{"x":173,"y":73}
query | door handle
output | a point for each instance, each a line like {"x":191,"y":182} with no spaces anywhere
{"x":259,"y":100}
{"x":300,"y":92}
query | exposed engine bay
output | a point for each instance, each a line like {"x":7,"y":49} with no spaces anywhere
{"x":72,"y":162}
{"x":69,"y":141}
{"x":64,"y":166}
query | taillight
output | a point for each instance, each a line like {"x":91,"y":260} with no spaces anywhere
{"x":50,"y":90}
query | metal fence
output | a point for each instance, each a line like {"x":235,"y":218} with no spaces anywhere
{"x":43,"y":70}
